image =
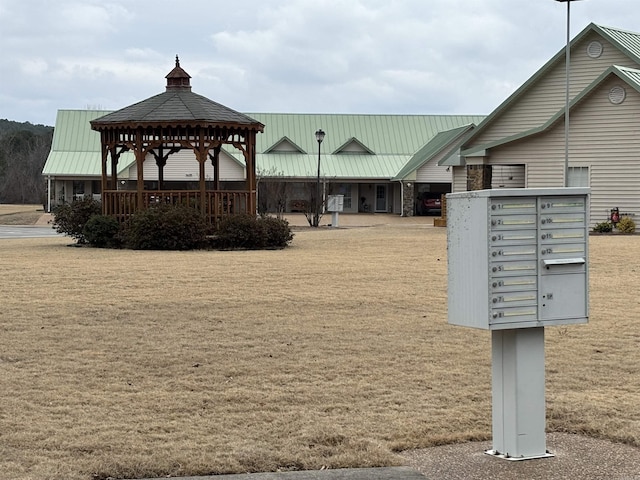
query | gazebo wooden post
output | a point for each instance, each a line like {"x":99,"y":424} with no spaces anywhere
{"x":103,"y":180}
{"x":140,"y":153}
{"x":202,"y":152}
{"x":114,"y":168}
{"x":250,"y":158}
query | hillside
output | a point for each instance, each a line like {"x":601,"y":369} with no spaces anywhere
{"x":23,"y":151}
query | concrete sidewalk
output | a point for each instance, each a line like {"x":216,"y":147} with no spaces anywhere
{"x":387,"y":473}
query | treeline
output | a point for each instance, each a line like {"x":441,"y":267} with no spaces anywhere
{"x":23,"y":151}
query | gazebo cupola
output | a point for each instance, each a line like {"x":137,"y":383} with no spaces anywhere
{"x":160,"y":126}
{"x":178,"y":78}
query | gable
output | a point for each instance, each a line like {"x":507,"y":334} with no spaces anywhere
{"x":544,"y":93}
{"x":620,"y":77}
{"x":284,"y":145}
{"x":353,"y":145}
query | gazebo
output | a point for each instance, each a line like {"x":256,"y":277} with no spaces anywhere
{"x":162,"y":125}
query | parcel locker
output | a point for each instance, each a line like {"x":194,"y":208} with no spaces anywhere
{"x":518,"y":258}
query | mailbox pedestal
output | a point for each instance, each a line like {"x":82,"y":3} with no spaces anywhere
{"x":335,"y":204}
{"x":517,"y":262}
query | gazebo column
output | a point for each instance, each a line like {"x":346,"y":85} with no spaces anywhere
{"x":140,"y":154}
{"x":103,"y":180}
{"x":114,"y":168}
{"x":215,"y":162}
{"x":201,"y":154}
{"x":161,"y":161}
{"x":250,"y":161}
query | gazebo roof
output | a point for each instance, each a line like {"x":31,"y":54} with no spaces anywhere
{"x":177,"y":105}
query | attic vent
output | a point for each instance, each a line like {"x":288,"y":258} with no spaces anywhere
{"x":594,"y":49}
{"x":617,"y":95}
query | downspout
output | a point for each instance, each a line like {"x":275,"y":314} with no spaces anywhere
{"x":401,"y":198}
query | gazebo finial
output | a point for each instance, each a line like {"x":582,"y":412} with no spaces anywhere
{"x":177,"y":61}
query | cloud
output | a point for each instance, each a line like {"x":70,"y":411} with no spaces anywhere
{"x":369,"y":56}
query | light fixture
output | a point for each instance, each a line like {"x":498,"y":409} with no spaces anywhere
{"x":318,"y":203}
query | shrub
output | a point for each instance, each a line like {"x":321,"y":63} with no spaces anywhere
{"x":277,"y":232}
{"x":165,"y":227}
{"x":626,"y":225}
{"x":249,"y":232}
{"x":71,"y":218}
{"x":240,"y":231}
{"x":102,"y":231}
{"x":603,"y":227}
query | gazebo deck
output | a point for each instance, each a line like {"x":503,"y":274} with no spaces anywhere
{"x":216,"y":204}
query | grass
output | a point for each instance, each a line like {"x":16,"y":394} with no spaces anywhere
{"x":334,"y":352}
{"x":20,"y":214}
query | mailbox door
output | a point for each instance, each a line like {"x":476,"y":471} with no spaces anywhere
{"x":563,"y":284}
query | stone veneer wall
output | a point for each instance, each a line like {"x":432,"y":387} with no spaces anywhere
{"x":407,"y":199}
{"x":478,"y":177}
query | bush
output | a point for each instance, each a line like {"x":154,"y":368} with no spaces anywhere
{"x":603,"y":227}
{"x":71,"y":218}
{"x":626,"y":225}
{"x":102,"y":231}
{"x":277,"y":232}
{"x":249,"y":232}
{"x":165,"y":227}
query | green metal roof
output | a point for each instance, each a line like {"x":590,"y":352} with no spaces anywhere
{"x":75,"y":148}
{"x":394,"y":139}
{"x":630,"y":76}
{"x":440,"y":142}
{"x":626,"y":42}
{"x":382,"y":134}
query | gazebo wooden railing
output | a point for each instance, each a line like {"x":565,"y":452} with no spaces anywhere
{"x":217,"y":204}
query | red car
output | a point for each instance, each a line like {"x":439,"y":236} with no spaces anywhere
{"x":429,"y":204}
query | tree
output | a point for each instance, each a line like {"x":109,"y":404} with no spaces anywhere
{"x":272,"y":194}
{"x":22,"y":157}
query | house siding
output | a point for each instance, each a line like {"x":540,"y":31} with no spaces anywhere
{"x":603,"y":136}
{"x":183,"y":166}
{"x":431,"y":172}
{"x":547,"y":96}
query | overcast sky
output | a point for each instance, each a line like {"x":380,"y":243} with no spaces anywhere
{"x":300,"y":56}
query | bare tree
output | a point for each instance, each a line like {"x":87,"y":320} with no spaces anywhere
{"x":273,"y":192}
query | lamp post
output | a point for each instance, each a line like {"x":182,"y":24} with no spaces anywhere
{"x":318,"y":204}
{"x":566,"y":104}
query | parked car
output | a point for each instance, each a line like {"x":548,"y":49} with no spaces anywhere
{"x":429,"y":204}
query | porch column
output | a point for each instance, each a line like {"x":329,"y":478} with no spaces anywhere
{"x":406,"y":190}
{"x":478,"y":177}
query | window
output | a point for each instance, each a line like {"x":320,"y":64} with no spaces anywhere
{"x":78,"y":189}
{"x":578,"y":177}
{"x":344,"y":189}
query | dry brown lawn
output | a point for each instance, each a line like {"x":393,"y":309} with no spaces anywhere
{"x":20,"y":214}
{"x":334,"y":352}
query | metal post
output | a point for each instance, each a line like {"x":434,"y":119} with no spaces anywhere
{"x":566,"y":106}
{"x":518,"y":394}
{"x":318,"y":204}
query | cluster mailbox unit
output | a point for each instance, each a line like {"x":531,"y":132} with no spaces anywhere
{"x":517,"y":262}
